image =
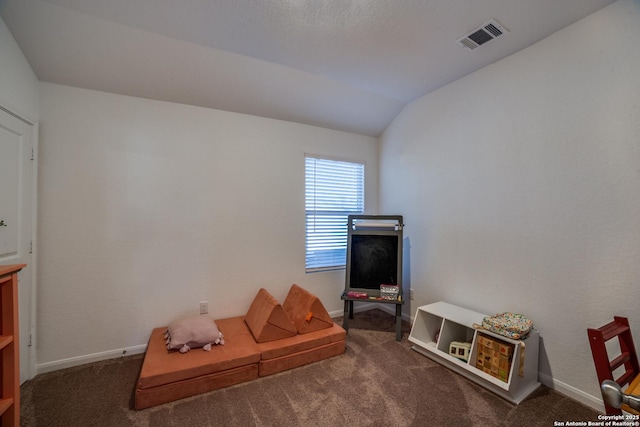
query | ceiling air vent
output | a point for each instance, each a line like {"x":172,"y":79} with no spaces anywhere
{"x":481,"y":35}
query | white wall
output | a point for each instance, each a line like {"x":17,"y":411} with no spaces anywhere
{"x":147,"y":208}
{"x":521,"y":189}
{"x":18,"y":83}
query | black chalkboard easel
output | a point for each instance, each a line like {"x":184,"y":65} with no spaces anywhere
{"x":374,"y":258}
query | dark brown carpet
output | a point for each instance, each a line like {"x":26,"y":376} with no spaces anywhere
{"x":377,"y":382}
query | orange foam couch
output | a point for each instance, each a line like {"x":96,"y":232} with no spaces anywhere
{"x":270,"y":338}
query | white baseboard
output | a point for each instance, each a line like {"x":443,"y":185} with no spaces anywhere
{"x":89,"y":358}
{"x":358,"y":308}
{"x":559,"y":386}
{"x":138,"y":349}
{"x":572,"y":392}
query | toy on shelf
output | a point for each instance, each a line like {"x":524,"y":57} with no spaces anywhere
{"x":354,"y":294}
{"x":460,"y":350}
{"x":389,"y":292}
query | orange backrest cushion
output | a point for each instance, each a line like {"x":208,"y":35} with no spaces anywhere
{"x":306,"y":311}
{"x":267,"y":320}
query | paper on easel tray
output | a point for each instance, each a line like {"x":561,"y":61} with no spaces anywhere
{"x":374,"y":225}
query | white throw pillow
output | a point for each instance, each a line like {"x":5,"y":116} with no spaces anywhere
{"x":193,"y":332}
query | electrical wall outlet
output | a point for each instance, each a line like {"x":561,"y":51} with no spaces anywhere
{"x":204,"y":307}
{"x":411,"y":293}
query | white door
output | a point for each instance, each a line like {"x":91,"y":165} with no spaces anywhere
{"x":16,"y":144}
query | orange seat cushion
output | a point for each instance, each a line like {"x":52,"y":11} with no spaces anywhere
{"x":263,"y":342}
{"x":299,"y":343}
{"x":290,"y":361}
{"x":148,"y":397}
{"x":162,"y":366}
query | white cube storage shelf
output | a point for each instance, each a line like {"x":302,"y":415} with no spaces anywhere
{"x":436,"y":325}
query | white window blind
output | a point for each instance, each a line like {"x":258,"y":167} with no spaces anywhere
{"x":334,"y":189}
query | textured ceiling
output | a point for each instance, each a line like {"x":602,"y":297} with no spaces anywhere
{"x":349,"y":65}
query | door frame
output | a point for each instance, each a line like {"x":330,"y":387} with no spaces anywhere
{"x":31,"y":353}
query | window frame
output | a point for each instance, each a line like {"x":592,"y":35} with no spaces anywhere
{"x":335,"y":218}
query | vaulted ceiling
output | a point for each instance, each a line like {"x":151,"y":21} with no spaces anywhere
{"x":349,"y":65}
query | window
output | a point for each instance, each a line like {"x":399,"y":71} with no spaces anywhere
{"x":334,"y":189}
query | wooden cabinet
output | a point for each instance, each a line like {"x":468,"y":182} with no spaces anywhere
{"x":437,"y":325}
{"x":9,"y":345}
